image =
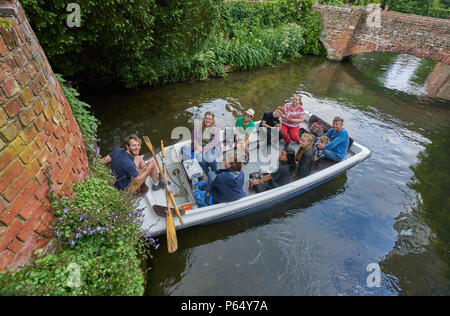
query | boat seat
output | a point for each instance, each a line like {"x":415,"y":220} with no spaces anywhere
{"x":322,"y":164}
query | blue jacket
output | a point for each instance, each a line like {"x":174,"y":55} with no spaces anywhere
{"x":228,"y":186}
{"x":338,"y":142}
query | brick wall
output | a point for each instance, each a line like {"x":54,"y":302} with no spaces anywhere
{"x":40,"y":142}
{"x":353,"y":30}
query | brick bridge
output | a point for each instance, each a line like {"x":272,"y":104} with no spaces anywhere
{"x":348,"y":31}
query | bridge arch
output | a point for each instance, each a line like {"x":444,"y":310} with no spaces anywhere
{"x":348,"y":31}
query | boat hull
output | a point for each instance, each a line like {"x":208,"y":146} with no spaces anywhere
{"x":255,"y":202}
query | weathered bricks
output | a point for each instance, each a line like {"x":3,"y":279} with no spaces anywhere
{"x":39,"y":140}
{"x":354,"y":30}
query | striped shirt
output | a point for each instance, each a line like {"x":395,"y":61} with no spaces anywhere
{"x":296,"y":114}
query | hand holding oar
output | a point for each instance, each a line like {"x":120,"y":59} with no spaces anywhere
{"x":172,"y":243}
{"x":166,"y":186}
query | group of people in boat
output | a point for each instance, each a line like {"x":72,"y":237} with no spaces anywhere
{"x":226,"y":185}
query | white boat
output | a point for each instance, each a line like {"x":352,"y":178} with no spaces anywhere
{"x":181,"y":188}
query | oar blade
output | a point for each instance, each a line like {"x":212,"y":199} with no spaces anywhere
{"x":172,"y":243}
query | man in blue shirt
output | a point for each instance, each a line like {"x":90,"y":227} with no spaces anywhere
{"x":126,"y":161}
{"x":336,"y":149}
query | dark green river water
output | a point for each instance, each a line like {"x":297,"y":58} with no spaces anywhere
{"x":392,"y":211}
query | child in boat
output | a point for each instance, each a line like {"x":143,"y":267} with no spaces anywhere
{"x":319,"y":148}
{"x":282,"y":176}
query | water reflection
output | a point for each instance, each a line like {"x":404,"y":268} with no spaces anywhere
{"x":218,"y":244}
{"x":398,"y":76}
{"x":424,"y":232}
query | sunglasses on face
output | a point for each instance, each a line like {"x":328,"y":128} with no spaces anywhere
{"x":248,"y":115}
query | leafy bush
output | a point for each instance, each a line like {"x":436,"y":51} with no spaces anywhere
{"x":312,"y":26}
{"x":256,"y":15}
{"x":86,"y":121}
{"x":150,"y":41}
{"x":197,"y":68}
{"x":120,"y":40}
{"x":434,"y":8}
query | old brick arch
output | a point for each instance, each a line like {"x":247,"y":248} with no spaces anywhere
{"x":348,"y":31}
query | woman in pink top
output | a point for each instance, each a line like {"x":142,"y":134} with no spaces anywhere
{"x":292,"y":117}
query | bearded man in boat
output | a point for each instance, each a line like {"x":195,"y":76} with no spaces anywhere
{"x":130,"y":169}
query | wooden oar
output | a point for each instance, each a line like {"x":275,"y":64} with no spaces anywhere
{"x":172,"y":243}
{"x":166,"y":186}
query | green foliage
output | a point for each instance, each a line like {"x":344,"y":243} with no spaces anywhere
{"x":265,"y":33}
{"x":106,"y":268}
{"x":120,"y":40}
{"x":248,"y":35}
{"x":251,"y":15}
{"x":86,"y":121}
{"x":249,"y":50}
{"x":98,"y":228}
{"x":434,"y":8}
{"x":312,"y":25}
{"x":184,"y":27}
{"x":158,"y":41}
{"x":196,"y":68}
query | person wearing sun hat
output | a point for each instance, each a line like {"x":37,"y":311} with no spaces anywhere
{"x":244,"y":127}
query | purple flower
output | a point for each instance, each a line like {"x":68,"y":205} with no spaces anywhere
{"x":98,"y":151}
{"x":57,"y":233}
{"x":71,"y":243}
{"x":157,"y":246}
{"x":148,"y":234}
{"x":77,"y":236}
{"x":65,"y":210}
